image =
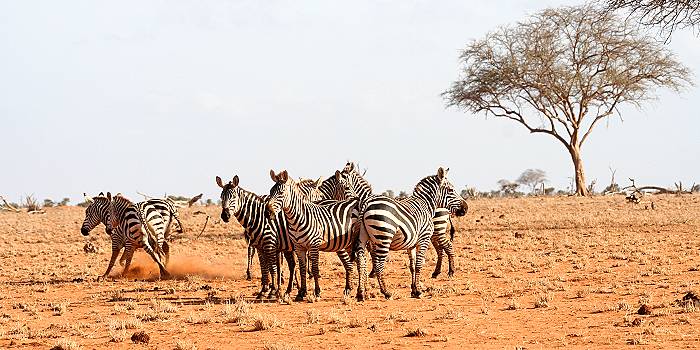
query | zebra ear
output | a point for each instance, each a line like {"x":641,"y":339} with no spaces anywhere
{"x":109,"y":196}
{"x":319,"y":181}
{"x":349,"y":166}
{"x":273,"y":176}
{"x":234,"y":182}
{"x":442,"y":173}
{"x":337,"y":175}
{"x":101,"y":194}
{"x":284,"y":176}
{"x":218,"y":182}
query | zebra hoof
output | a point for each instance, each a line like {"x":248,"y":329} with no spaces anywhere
{"x":387,"y":296}
{"x":248,"y":277}
{"x":372,"y":274}
{"x":450,"y":274}
{"x":435,"y":274}
{"x":416,"y":294}
{"x":360,"y":297}
{"x":300,"y":297}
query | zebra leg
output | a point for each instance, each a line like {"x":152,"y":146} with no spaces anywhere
{"x":380,"y":256}
{"x":164,"y":274}
{"x":313,"y":256}
{"x":291,"y":264}
{"x":128,"y":255}
{"x":301,"y":255}
{"x":361,"y":260}
{"x":411,"y":262}
{"x":265,"y":275}
{"x":166,"y":251}
{"x":251,"y":254}
{"x":272,"y":259}
{"x":420,"y":258}
{"x":347,"y":264}
{"x":438,"y":251}
{"x":450,"y":258}
{"x":115,"y":253}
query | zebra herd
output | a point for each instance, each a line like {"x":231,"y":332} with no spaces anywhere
{"x":299,"y":219}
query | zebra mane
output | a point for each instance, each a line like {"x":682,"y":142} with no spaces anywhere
{"x":428,"y":183}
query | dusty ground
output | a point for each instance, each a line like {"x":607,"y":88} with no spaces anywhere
{"x":531,"y":273}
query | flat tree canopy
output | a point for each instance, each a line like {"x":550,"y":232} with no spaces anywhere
{"x":562,"y":71}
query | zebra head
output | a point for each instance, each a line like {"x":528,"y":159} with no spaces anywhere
{"x":230,"y":199}
{"x":352,"y":182}
{"x":280,"y":193}
{"x":311,"y":189}
{"x":448,"y":197}
{"x":96,"y":212}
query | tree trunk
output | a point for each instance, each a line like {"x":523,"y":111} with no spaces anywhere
{"x":580,"y":178}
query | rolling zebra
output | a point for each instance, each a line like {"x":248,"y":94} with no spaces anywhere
{"x":314,"y":227}
{"x":388,"y":224}
{"x":123,"y":222}
{"x":159,"y":213}
{"x":356,"y":185}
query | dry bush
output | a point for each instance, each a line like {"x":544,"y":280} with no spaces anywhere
{"x":278,"y":346}
{"x":543,"y":301}
{"x":184,"y":345}
{"x":66,"y":344}
{"x":262,"y":322}
{"x":313,"y":316}
{"x":418,"y":332}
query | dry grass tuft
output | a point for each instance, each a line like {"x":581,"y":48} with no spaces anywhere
{"x":418,"y":332}
{"x":66,"y":344}
{"x":184,"y":345}
{"x":264,"y":322}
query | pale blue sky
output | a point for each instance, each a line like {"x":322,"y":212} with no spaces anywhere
{"x":162,"y":96}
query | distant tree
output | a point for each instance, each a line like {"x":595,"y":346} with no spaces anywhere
{"x":209,"y":202}
{"x":403,"y":194}
{"x":668,"y":15}
{"x":389,"y":193}
{"x":469,"y":192}
{"x":562,"y":72}
{"x":549,"y":191}
{"x":532,"y":178}
{"x":64,"y":202}
{"x":48,"y":203}
{"x":508,"y":187}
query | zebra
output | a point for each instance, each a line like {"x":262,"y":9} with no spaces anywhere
{"x":149,"y":209}
{"x":261,"y":232}
{"x":314,"y":227}
{"x":310,"y":189}
{"x":124,"y":224}
{"x":356,"y":185}
{"x":388,"y":224}
{"x":159,"y":214}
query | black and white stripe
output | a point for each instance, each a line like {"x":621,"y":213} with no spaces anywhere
{"x":124,"y":224}
{"x":354,"y":184}
{"x":314,"y":227}
{"x":389,"y":224}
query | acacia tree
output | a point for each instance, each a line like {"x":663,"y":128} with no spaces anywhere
{"x":668,"y":15}
{"x":561,"y":72}
{"x":532,"y":178}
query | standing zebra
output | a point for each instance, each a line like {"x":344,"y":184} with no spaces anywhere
{"x":356,"y":185}
{"x":267,"y":235}
{"x":314,"y":227}
{"x":405,"y":225}
{"x":310,"y":189}
{"x":123,"y":223}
